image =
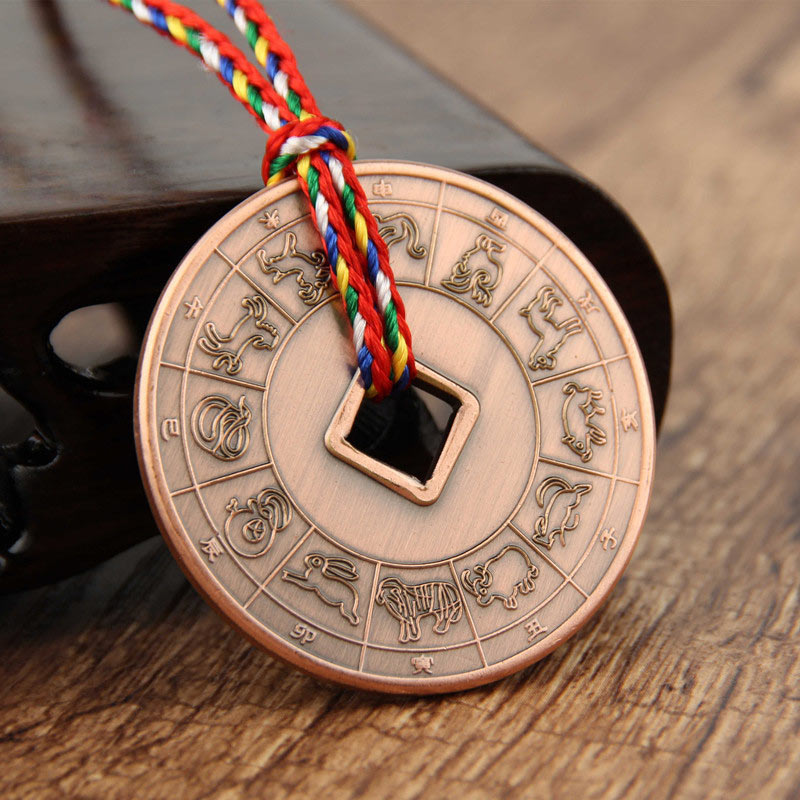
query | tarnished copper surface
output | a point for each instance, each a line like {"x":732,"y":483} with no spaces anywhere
{"x":342,"y":566}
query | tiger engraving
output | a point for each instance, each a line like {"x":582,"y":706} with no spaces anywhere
{"x":409,"y":603}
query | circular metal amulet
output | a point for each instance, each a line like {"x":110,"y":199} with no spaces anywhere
{"x":449,"y":539}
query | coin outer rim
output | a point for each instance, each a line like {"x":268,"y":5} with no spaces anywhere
{"x":196,"y":569}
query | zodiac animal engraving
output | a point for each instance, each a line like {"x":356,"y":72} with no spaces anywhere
{"x":580,"y":429}
{"x":409,"y":603}
{"x":559,"y":501}
{"x":398,"y":227}
{"x":250,"y":529}
{"x":503,"y":577}
{"x":214,"y":342}
{"x":220,"y":426}
{"x":310,"y":291}
{"x":331,"y":578}
{"x":464,"y":277}
{"x":551,"y":336}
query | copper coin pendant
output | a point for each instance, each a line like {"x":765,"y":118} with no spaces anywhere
{"x":330,"y":554}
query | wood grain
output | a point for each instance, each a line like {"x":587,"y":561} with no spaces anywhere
{"x":687,"y":683}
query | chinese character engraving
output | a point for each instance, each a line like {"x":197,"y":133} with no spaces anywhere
{"x":608,"y":539}
{"x":497,"y":218}
{"x":422,"y":664}
{"x":272,"y":219}
{"x":534,"y":628}
{"x":170,"y":429}
{"x":193,"y":308}
{"x":629,"y":421}
{"x":211,"y":548}
{"x":587,"y":303}
{"x":303,"y":633}
{"x":382,"y":189}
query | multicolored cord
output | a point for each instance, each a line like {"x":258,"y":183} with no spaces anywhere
{"x":320,"y":152}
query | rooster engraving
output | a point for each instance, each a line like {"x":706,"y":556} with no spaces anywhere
{"x":331,"y":578}
{"x":581,"y":431}
{"x":479,"y":282}
{"x":552,"y":334}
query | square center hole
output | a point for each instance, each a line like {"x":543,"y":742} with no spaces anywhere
{"x":407,"y":431}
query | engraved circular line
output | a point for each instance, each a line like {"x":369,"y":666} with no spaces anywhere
{"x":327,"y":535}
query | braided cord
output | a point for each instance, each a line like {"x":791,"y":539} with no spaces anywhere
{"x":320,"y":152}
{"x":276,"y":57}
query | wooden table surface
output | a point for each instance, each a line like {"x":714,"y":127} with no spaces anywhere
{"x":123,"y":683}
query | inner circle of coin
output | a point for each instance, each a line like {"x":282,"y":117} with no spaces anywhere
{"x":365,"y":517}
{"x":345,"y":560}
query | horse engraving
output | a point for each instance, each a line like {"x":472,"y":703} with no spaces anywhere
{"x":503,"y":577}
{"x":219,"y":345}
{"x":221,"y":427}
{"x":465,"y":277}
{"x":581,"y":431}
{"x":559,"y":501}
{"x":331,"y":578}
{"x":409,"y":603}
{"x":250,"y":529}
{"x":540,"y":313}
{"x":399,"y":227}
{"x":309,"y":291}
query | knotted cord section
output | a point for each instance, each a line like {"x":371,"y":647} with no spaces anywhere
{"x":320,"y":152}
{"x":278,"y":60}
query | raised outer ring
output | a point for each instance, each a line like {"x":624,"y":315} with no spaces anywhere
{"x":191,"y":562}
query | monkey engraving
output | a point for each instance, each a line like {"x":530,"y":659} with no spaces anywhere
{"x":398,"y":227}
{"x":309,"y":291}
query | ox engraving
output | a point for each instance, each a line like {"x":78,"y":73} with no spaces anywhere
{"x":480,"y":282}
{"x":559,"y":501}
{"x":409,"y":603}
{"x":551,"y":333}
{"x":502,"y":577}
{"x":331,"y":578}
{"x":581,"y":431}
